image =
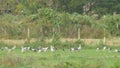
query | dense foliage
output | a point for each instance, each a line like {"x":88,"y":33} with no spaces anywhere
{"x":48,"y":23}
{"x":59,"y":18}
{"x":79,"y":6}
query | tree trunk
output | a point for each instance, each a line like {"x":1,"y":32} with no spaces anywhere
{"x":104,"y":39}
{"x":78,"y":33}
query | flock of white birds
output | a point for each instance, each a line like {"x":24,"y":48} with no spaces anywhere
{"x":52,"y":49}
{"x":105,"y":48}
{"x":27,"y":48}
{"x":38,"y":49}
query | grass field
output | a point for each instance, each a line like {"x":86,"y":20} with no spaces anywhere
{"x":86,"y":58}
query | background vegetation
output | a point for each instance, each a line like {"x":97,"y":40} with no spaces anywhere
{"x":20,"y":19}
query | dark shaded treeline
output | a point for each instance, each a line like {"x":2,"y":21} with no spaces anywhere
{"x":89,"y":7}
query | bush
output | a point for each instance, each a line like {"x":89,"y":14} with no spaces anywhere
{"x":101,"y":44}
{"x":79,"y":42}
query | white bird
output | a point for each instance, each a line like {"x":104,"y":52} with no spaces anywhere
{"x":12,"y":48}
{"x":109,"y":49}
{"x":104,"y":48}
{"x":6,"y":48}
{"x":34,"y":50}
{"x":116,"y":50}
{"x":28,"y":48}
{"x":97,"y":49}
{"x":79,"y":48}
{"x":72,"y":49}
{"x":23,"y":49}
{"x":45,"y":49}
{"x":51,"y":48}
{"x":40,"y":50}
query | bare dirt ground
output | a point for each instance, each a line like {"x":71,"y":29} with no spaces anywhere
{"x":111,"y":42}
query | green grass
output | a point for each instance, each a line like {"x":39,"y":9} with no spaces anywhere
{"x":86,"y":58}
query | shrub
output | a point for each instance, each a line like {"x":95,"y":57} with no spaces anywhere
{"x":79,"y":42}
